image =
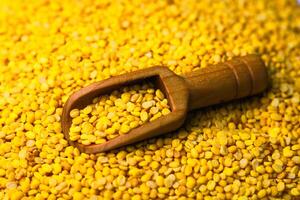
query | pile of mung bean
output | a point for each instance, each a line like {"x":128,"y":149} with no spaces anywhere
{"x":246,"y":149}
{"x":116,"y":114}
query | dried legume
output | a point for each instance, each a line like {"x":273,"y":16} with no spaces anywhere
{"x":112,"y":115}
{"x":49,"y":49}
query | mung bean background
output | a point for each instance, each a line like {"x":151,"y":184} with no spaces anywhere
{"x":246,"y":149}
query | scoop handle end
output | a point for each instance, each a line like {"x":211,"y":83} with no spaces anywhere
{"x":237,"y":78}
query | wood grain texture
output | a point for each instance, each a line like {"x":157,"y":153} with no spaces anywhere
{"x":240,"y":77}
{"x":237,"y":78}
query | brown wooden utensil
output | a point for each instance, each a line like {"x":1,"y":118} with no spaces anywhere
{"x":240,"y":77}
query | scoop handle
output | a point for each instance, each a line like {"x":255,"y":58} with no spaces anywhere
{"x":237,"y":78}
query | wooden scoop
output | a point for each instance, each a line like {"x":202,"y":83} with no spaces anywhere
{"x":240,"y":77}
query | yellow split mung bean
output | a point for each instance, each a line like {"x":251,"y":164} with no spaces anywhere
{"x":116,"y":114}
{"x":247,"y":149}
